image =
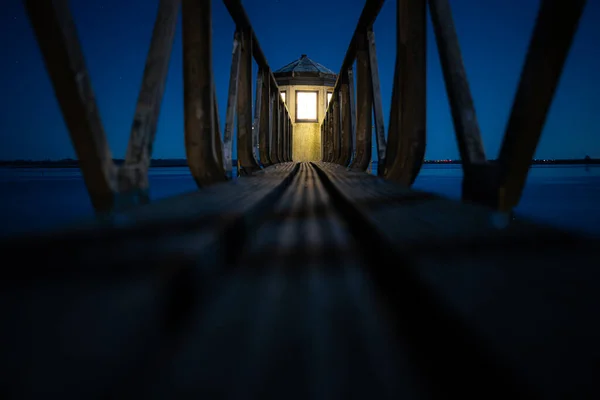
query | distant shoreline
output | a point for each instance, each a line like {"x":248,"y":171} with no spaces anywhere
{"x":170,"y":163}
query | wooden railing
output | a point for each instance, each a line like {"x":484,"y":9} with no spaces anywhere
{"x":266,"y":138}
{"x":263,"y":139}
{"x":346,"y":139}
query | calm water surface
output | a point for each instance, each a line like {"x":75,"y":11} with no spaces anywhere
{"x":41,"y":199}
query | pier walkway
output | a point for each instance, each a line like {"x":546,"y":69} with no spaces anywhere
{"x":302,"y":279}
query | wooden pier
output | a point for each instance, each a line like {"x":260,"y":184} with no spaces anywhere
{"x":302,"y":279}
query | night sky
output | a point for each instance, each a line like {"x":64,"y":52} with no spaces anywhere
{"x":115,"y":36}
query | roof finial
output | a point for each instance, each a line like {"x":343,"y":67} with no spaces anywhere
{"x":303,"y":56}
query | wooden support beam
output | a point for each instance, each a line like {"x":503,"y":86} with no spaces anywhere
{"x":366,"y":20}
{"x":231,"y":105}
{"x":324,"y":139}
{"x":256,"y":122}
{"x":364,"y":106}
{"x":284,"y":138}
{"x":288,"y":132}
{"x":275,"y":133}
{"x":264,"y":124}
{"x":245,"y":146}
{"x":466,"y":127}
{"x":291,"y":133}
{"x":553,"y":34}
{"x":377,"y":105}
{"x":239,"y":16}
{"x":280,"y":115}
{"x":325,"y":127}
{"x":407,"y":128}
{"x":352,"y":100}
{"x":56,"y":35}
{"x":345,"y":125}
{"x":329,"y":136}
{"x":257,"y":112}
{"x":201,"y":147}
{"x":133,"y":175}
{"x":272,"y":125}
{"x":336,"y":134}
{"x":217,"y":130}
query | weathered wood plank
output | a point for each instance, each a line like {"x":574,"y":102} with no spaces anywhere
{"x":345,"y":125}
{"x":504,"y":295}
{"x":339,"y":283}
{"x":335,"y":128}
{"x":377,"y":105}
{"x":257,"y":112}
{"x":284,"y":135}
{"x":351,"y":99}
{"x":56,"y":36}
{"x":324,"y":138}
{"x":239,"y":16}
{"x":133,"y":174}
{"x":276,"y":127}
{"x":364,"y":100}
{"x":329,"y":135}
{"x":159,"y":228}
{"x":280,"y":122}
{"x":217,"y":131}
{"x":290,"y":140}
{"x":264,"y":124}
{"x":234,"y":79}
{"x":305,"y":324}
{"x":462,"y":108}
{"x":552,"y":37}
{"x":407,"y":128}
{"x":245,"y":146}
{"x":201,"y":146}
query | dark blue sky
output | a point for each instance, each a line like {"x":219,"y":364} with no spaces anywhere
{"x":115,"y":35}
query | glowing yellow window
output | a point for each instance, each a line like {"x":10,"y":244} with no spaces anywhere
{"x":306,"y":106}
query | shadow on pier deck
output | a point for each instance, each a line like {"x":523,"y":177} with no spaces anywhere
{"x":303,"y":279}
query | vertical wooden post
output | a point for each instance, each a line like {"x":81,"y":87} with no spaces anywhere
{"x":284,"y":138}
{"x":133,"y":175}
{"x":201,"y":147}
{"x":280,"y":117}
{"x":57,"y":38}
{"x":217,"y":130}
{"x":328,"y":136}
{"x":466,"y":127}
{"x":377,"y":106}
{"x":245,"y":146}
{"x":555,"y":27}
{"x":272,"y":126}
{"x":407,"y":128}
{"x":257,"y":113}
{"x":264,"y":132}
{"x":275,"y":133}
{"x":232,"y":96}
{"x":346,"y":124}
{"x":336,"y":134}
{"x":364,"y":105}
{"x":291,"y":133}
{"x":324,"y":139}
{"x":288,"y":132}
{"x":352,"y":100}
